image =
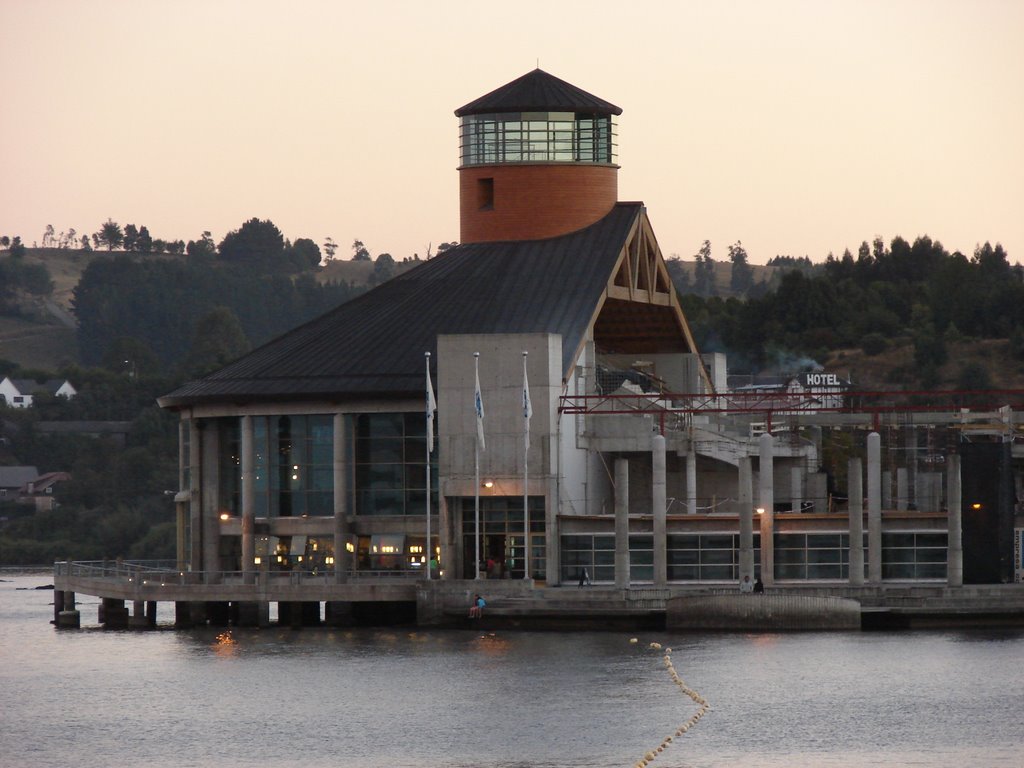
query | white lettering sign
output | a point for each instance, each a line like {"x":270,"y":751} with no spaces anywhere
{"x":823,"y":380}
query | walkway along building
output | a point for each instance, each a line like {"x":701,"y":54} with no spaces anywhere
{"x":307,"y":459}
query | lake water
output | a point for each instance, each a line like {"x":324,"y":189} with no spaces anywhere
{"x":431,"y":699}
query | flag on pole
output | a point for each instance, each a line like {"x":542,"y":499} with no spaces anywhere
{"x":431,"y":407}
{"x":527,"y":405}
{"x":478,"y":405}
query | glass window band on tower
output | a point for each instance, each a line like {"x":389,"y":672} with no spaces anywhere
{"x":537,"y":137}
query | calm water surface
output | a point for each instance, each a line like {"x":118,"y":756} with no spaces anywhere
{"x":396,"y":698}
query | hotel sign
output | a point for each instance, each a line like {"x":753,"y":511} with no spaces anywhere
{"x":821,"y":380}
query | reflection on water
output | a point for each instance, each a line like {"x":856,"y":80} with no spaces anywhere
{"x":410,"y":697}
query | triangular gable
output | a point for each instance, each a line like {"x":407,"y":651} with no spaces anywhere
{"x":639,"y":308}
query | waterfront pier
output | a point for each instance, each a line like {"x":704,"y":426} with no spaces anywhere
{"x":130,"y":593}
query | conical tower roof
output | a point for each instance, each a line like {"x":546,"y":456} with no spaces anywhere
{"x":537,"y":91}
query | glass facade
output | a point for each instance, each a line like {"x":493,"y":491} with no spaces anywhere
{"x":294,"y":466}
{"x":595,"y":552}
{"x":532,"y":137}
{"x":914,"y":555}
{"x":707,"y":556}
{"x":811,"y":556}
{"x":390,"y":465}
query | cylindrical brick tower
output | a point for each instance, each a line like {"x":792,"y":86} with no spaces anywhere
{"x":536,"y":160}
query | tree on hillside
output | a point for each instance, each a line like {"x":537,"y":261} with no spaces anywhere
{"x":145,"y":242}
{"x":704,"y":272}
{"x":18,"y":249}
{"x":202,"y":248}
{"x":742,"y":276}
{"x":86,"y":246}
{"x":304,"y":254}
{"x":49,"y":240}
{"x":359,"y":252}
{"x":218,"y":340}
{"x":5,"y":241}
{"x":131,"y":237}
{"x":110,"y":235}
{"x":330,"y":247}
{"x":257,"y":244}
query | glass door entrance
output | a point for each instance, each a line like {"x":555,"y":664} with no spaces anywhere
{"x":501,"y":538}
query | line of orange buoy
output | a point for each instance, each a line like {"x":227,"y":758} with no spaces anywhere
{"x":694,"y":719}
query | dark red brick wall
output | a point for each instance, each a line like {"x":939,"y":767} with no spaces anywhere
{"x":531,"y":202}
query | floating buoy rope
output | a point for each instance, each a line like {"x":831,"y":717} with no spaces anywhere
{"x":702,"y":708}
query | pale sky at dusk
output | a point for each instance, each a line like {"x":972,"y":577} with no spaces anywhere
{"x":797,"y":127}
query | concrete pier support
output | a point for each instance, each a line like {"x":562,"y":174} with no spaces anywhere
{"x":68,"y":616}
{"x":138,"y":619}
{"x":659,"y":502}
{"x":338,"y":614}
{"x":886,"y":489}
{"x":691,"y":479}
{"x":856,"y":512}
{"x":874,"y":508}
{"x":113,"y":613}
{"x":766,"y":501}
{"x":746,"y":504}
{"x":796,"y":489}
{"x":218,"y":613}
{"x":252,"y":613}
{"x":183,"y":615}
{"x":621,"y":523}
{"x":955,"y":545}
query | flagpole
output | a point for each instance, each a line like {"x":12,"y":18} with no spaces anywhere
{"x":476,"y":457}
{"x":526,"y":456}
{"x":430,"y":447}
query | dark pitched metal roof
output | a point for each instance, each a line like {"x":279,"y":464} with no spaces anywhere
{"x":373,"y":345}
{"x":537,"y":91}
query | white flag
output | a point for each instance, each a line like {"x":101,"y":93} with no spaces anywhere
{"x":527,"y":405}
{"x":478,"y":405}
{"x":431,"y":407}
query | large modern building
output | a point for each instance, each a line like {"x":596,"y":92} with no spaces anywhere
{"x":310,"y":454}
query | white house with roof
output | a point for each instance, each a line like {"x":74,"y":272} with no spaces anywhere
{"x":19,"y":393}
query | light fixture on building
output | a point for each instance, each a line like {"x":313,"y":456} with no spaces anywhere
{"x":760,"y":510}
{"x":224,"y":516}
{"x":976,"y":505}
{"x":488,"y":483}
{"x":257,"y":560}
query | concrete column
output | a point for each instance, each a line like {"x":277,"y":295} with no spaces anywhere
{"x":138,"y":618}
{"x":210,"y":520}
{"x":796,"y":494}
{"x":195,"y":544}
{"x":659,"y":500}
{"x":874,"y":508}
{"x":181,"y":507}
{"x":115,"y":615}
{"x":691,"y":478}
{"x":248,"y":447}
{"x":621,"y":523}
{"x":342,"y":559}
{"x":911,"y":453}
{"x":902,"y":489}
{"x":766,"y":501}
{"x":746,"y":504}
{"x":856,"y":559}
{"x":68,"y":617}
{"x":955,"y":551}
{"x":887,"y":489}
